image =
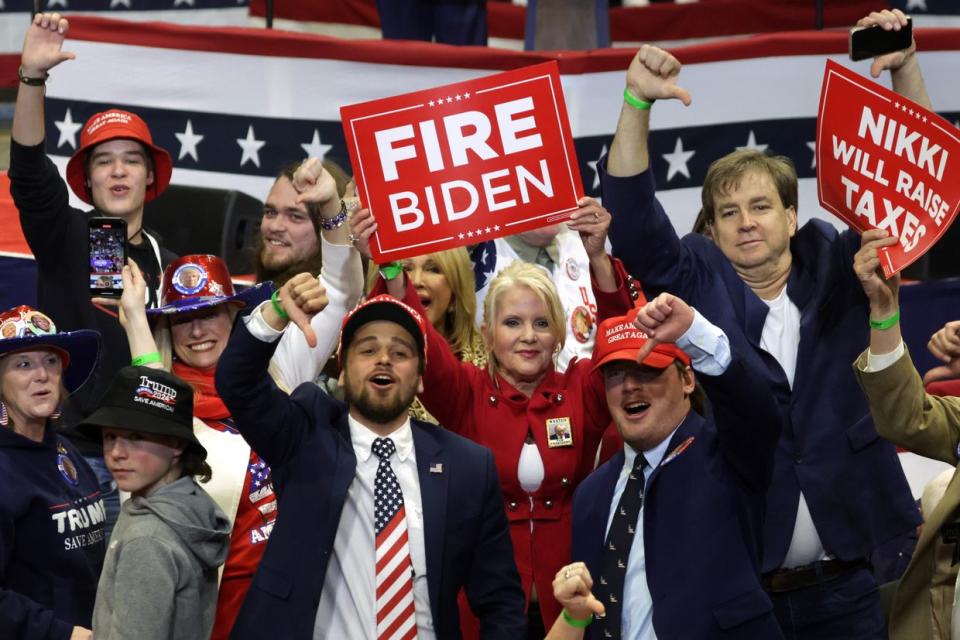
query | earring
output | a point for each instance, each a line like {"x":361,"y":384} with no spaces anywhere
{"x":56,"y":413}
{"x":4,"y":418}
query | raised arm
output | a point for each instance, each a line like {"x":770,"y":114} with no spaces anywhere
{"x":133,"y":314}
{"x":42,"y":51}
{"x":903,"y":65}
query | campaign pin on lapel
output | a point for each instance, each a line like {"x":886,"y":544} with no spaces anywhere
{"x":436,"y":467}
{"x":680,"y":449}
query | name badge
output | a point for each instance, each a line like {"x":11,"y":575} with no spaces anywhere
{"x":559,"y":432}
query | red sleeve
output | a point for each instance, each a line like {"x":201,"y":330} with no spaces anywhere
{"x":448,"y":383}
{"x":616,"y":303}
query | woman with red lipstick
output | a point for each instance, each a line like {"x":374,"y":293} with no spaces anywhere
{"x":51,"y":511}
{"x":542,"y":426}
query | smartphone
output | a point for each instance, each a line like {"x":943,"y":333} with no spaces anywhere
{"x":107,"y":240}
{"x":869,"y":42}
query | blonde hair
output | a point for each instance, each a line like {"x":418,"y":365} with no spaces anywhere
{"x":535,"y":279}
{"x":459,"y":321}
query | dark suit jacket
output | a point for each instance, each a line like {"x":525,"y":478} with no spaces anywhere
{"x":829,"y":449}
{"x":702,"y":515}
{"x":305,"y":438}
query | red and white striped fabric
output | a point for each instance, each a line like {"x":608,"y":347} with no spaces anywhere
{"x":396,"y":614}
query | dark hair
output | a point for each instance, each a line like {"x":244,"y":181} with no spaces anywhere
{"x":726,"y":173}
{"x":194,"y":463}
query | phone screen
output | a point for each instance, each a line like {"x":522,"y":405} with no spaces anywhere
{"x":876,"y":41}
{"x":108,"y":254}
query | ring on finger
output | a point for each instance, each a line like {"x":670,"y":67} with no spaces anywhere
{"x":567,"y":573}
{"x":353,"y":239}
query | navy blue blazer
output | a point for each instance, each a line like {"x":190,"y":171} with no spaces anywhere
{"x":702,"y":515}
{"x":851,"y":478}
{"x":305,"y":438}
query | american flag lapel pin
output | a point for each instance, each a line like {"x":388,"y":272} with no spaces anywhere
{"x":436,"y":467}
{"x":680,"y":449}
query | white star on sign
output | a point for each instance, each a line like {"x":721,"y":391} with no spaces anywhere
{"x":752,"y":144}
{"x":68,"y":130}
{"x":315,"y":148}
{"x":678,"y":161}
{"x":188,"y":142}
{"x":251,"y":148}
{"x":917,"y":4}
{"x":813,"y":147}
{"x":461,"y":236}
{"x":593,"y":165}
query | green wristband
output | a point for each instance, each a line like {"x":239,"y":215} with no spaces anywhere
{"x":391,"y":270}
{"x":147,"y":358}
{"x":636,"y":102}
{"x":886,"y":323}
{"x":574,"y":622}
{"x":277,"y":307}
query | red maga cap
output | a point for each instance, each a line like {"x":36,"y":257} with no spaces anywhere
{"x":384,"y":307}
{"x":620,"y":339}
{"x":114,"y":124}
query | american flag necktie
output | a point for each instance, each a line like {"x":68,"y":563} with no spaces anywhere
{"x":396,"y":616}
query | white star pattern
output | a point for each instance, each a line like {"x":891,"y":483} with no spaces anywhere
{"x":116,"y":3}
{"x":189,"y":3}
{"x":593,"y":165}
{"x":57,"y":3}
{"x":315,"y":148}
{"x":188,"y":142}
{"x":68,"y":130}
{"x":386,"y":492}
{"x":913,"y":5}
{"x":678,"y":161}
{"x":813,"y":148}
{"x":251,"y":148}
{"x":752,"y":144}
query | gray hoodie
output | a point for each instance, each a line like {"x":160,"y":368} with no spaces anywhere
{"x":159,"y":577}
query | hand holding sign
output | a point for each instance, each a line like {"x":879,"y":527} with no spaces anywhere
{"x":945,"y":346}
{"x":664,"y":319}
{"x":882,"y":293}
{"x":652,"y":75}
{"x":301,"y":297}
{"x":592,"y":221}
{"x":362,"y":226}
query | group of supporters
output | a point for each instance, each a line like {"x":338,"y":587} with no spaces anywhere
{"x":697,"y":462}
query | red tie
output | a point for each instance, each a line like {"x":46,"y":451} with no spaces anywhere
{"x":396,"y":616}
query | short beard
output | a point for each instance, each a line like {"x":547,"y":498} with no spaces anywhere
{"x":280,"y":274}
{"x":378,"y":413}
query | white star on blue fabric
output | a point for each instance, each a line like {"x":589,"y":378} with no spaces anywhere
{"x":752,"y":144}
{"x":251,"y":148}
{"x":68,"y":130}
{"x":678,"y":160}
{"x":813,"y":147}
{"x":913,"y":5}
{"x":188,"y":142}
{"x":593,"y":165}
{"x":315,"y":148}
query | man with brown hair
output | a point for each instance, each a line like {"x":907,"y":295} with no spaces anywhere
{"x":788,"y":302}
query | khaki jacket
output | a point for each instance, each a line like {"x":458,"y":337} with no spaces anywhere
{"x":929,"y":426}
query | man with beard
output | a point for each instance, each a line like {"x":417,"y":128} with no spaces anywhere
{"x":290,"y":239}
{"x":382,"y":519}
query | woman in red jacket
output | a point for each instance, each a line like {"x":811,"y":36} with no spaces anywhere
{"x":542,"y":426}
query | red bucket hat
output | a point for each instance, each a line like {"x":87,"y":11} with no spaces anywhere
{"x":114,"y":124}
{"x":199,"y":281}
{"x":26,"y":329}
{"x":619,"y":339}
{"x":384,"y":307}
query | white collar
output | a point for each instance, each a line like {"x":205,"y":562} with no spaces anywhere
{"x":362,"y":438}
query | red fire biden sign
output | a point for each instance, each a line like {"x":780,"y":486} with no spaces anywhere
{"x":463,"y":163}
{"x":886,"y":162}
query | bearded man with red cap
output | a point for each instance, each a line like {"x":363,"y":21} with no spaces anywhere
{"x":670,"y":528}
{"x":116,"y":168}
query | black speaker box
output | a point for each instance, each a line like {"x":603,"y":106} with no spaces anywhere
{"x":205,"y":220}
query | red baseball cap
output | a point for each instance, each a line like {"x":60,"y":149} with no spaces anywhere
{"x":114,"y":124}
{"x":200,"y":281}
{"x":620,"y":339}
{"x":384,"y":307}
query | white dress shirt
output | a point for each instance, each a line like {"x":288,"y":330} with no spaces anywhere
{"x":348,"y":602}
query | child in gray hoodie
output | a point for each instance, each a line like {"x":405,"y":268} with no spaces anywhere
{"x":159,"y":577}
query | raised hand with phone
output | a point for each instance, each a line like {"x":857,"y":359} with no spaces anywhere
{"x":887,"y":36}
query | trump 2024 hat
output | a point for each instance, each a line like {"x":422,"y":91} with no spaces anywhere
{"x":117,"y":124}
{"x":384,"y":307}
{"x":201,"y":281}
{"x":620,"y":339}
{"x":26,"y":329}
{"x":146,"y":400}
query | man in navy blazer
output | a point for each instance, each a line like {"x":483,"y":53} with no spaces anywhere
{"x":791,"y":306}
{"x":693,"y":557}
{"x":318,"y":578}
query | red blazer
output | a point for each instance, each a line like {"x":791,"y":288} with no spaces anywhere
{"x":465,"y":399}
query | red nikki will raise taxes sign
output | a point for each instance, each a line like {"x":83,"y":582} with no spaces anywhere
{"x":886,"y":162}
{"x":464,"y":163}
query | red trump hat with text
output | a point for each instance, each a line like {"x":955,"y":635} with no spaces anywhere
{"x":117,"y":124}
{"x":384,"y":307}
{"x":620,"y":339}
